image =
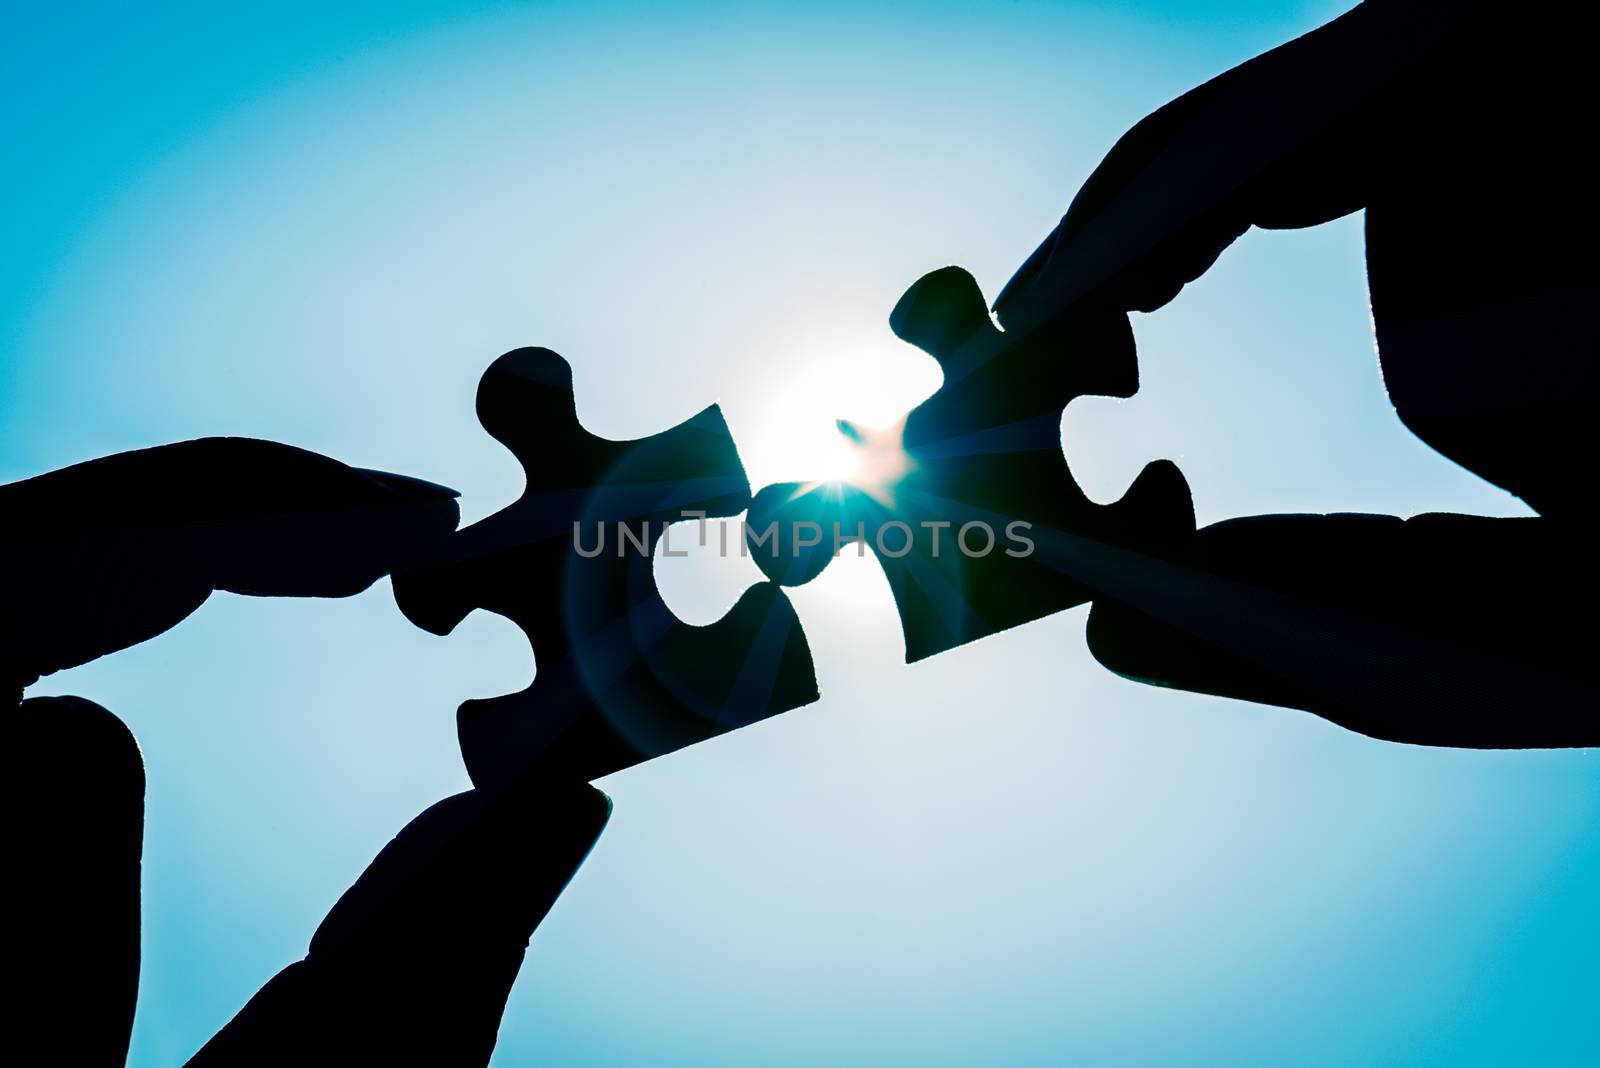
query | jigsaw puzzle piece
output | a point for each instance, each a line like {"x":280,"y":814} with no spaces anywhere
{"x":969,"y":503}
{"x":618,"y":678}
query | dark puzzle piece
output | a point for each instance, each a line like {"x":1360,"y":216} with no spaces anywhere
{"x":618,"y":678}
{"x":969,"y":503}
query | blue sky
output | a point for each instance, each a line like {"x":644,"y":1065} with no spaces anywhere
{"x":320,"y":226}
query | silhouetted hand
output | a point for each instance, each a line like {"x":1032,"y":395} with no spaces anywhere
{"x":414,"y":964}
{"x":1460,"y":128}
{"x":105,"y":554}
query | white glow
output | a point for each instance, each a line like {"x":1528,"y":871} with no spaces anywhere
{"x":794,"y":434}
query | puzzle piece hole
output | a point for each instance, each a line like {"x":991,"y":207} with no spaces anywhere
{"x":501,"y":661}
{"x":1088,"y":427}
{"x":703,"y":583}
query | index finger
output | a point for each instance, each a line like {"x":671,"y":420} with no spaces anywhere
{"x":107,"y":553}
{"x":1286,"y":139}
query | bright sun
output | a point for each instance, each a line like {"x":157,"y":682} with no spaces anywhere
{"x":836,"y":420}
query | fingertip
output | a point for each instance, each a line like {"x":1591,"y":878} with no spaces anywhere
{"x":71,"y":744}
{"x":601,"y":806}
{"x":74,"y":781}
{"x":1025,"y":276}
{"x":409,"y":488}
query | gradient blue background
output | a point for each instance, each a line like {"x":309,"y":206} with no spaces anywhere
{"x":320,"y":225}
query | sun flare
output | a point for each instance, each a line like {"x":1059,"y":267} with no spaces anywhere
{"x":838,"y":420}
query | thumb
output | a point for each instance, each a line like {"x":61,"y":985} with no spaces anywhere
{"x":74,"y":832}
{"x":415,"y":962}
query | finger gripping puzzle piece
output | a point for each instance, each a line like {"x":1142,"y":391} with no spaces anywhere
{"x":969,"y":503}
{"x":618,"y":678}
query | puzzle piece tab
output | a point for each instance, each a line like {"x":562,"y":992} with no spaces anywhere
{"x":969,"y":503}
{"x":619,"y":679}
